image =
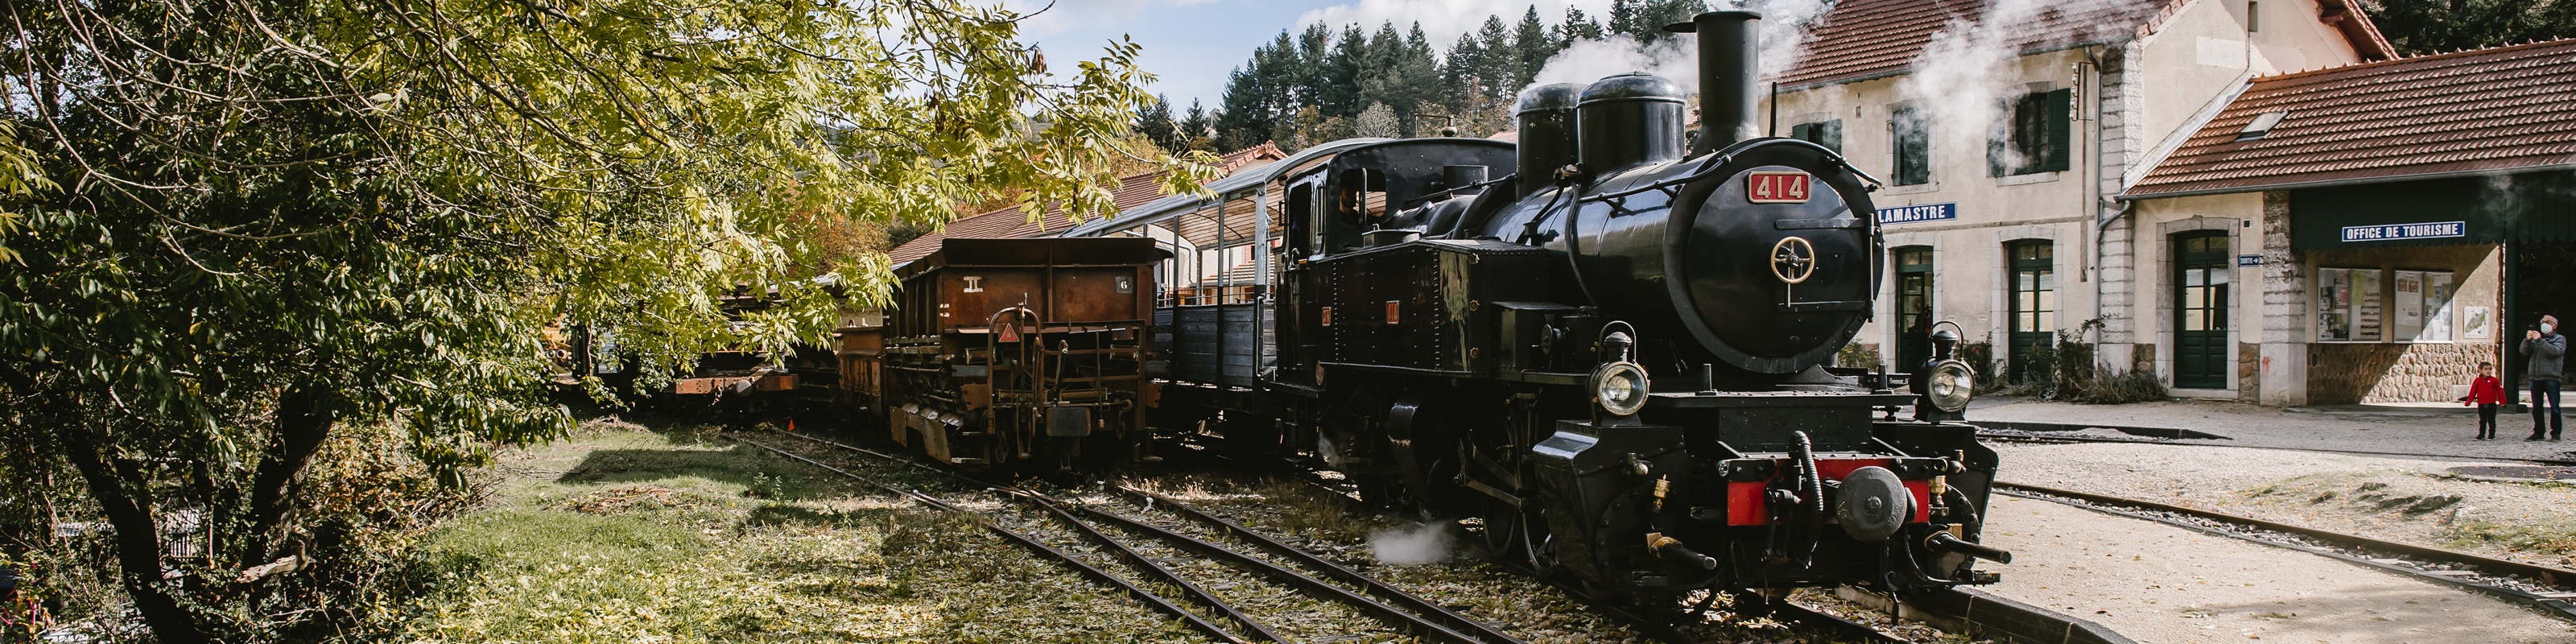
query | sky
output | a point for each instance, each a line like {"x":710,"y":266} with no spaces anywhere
{"x":1190,"y":45}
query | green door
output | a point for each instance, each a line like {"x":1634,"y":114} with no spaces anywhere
{"x":2200,"y":311}
{"x":1913,"y":307}
{"x":2034,"y":306}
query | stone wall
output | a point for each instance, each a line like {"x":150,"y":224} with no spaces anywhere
{"x":2249,"y":372}
{"x":2390,"y":372}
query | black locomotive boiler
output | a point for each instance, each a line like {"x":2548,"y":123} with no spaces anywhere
{"x":1613,"y":354}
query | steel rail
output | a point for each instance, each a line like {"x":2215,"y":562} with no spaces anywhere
{"x":1442,"y":622}
{"x":2556,"y":603}
{"x":1334,"y":570}
{"x":2043,"y":439}
{"x":1157,"y":568}
{"x":1415,"y":623}
{"x":1660,"y":629}
{"x":1088,"y":570}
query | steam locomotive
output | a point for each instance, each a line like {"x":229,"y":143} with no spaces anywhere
{"x":1612,"y":355}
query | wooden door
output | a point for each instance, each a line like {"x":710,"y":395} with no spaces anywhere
{"x":2200,"y":311}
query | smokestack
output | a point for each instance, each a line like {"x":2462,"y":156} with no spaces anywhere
{"x":1728,"y":61}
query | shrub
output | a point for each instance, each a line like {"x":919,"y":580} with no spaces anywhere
{"x":1857,"y":354}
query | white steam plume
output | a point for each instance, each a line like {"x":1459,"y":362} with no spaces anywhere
{"x":1416,"y":546}
{"x":1785,"y":25}
{"x":1971,"y":67}
{"x":1585,"y":61}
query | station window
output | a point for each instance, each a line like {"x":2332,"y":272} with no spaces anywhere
{"x":2034,"y":304}
{"x":2033,"y":136}
{"x":1913,"y":306}
{"x":1827,"y":133}
{"x":1912,"y":136}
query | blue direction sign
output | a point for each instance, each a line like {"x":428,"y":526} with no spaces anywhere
{"x":2397,"y":232}
{"x":1915,"y":213}
{"x":2249,"y":260}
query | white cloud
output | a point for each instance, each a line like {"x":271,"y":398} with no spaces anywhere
{"x":1443,"y":20}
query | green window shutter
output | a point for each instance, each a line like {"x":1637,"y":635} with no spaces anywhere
{"x":1803,"y":132}
{"x":1998,"y":139}
{"x":2061,"y":126}
{"x":1912,"y":155}
{"x":1832,"y":135}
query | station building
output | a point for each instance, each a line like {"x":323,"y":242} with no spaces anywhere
{"x":2402,"y":222}
{"x":2007,"y":144}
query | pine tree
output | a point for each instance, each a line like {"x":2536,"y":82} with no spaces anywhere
{"x":1623,"y":17}
{"x":1155,"y":122}
{"x":1196,"y":128}
{"x":1314,"y":48}
{"x":1502,"y":65}
{"x":1577,"y":26}
{"x":1531,"y":41}
{"x":1342,"y":70}
{"x":1417,"y":79}
{"x":1459,"y":88}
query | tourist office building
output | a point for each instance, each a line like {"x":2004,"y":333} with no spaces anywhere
{"x":2255,"y":201}
{"x":2418,"y":216}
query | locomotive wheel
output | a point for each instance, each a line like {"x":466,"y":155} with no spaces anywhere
{"x":1503,"y":526}
{"x":1537,"y":545}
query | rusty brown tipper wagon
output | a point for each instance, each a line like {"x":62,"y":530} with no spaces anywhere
{"x":1002,"y":351}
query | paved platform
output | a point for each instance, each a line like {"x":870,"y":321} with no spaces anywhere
{"x":2425,"y":430}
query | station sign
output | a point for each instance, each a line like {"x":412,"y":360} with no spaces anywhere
{"x":2401,"y":232}
{"x":1918,"y":213}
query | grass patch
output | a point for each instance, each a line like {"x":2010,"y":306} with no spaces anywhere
{"x":620,"y":535}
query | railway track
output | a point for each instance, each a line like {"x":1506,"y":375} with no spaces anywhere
{"x":1658,"y":628}
{"x":1160,"y":530}
{"x":2548,"y":588}
{"x":1227,"y":593}
{"x":2053,"y":438}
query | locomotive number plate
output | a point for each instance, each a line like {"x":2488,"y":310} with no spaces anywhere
{"x":1776,"y":187}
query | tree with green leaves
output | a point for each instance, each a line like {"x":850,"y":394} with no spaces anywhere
{"x":270,"y":221}
{"x":2419,"y":27}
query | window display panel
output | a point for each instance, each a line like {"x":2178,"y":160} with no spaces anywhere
{"x":2349,"y":305}
{"x":2437,"y":309}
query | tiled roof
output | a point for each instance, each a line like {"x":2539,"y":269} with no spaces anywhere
{"x":1871,"y":38}
{"x":1012,"y":223}
{"x":2485,"y":110}
{"x":1862,"y":38}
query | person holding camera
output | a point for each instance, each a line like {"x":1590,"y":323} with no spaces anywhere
{"x":2547,"y":350}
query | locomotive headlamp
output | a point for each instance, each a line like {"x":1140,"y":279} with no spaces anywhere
{"x":1620,"y":388}
{"x":1949,"y":386}
{"x":1944,"y":382}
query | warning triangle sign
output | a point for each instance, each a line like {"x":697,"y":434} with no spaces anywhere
{"x":1010,"y":333}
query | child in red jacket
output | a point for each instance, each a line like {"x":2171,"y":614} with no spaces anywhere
{"x":2487,"y":393}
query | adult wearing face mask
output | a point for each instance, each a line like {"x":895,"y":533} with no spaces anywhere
{"x":2547,"y":349}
